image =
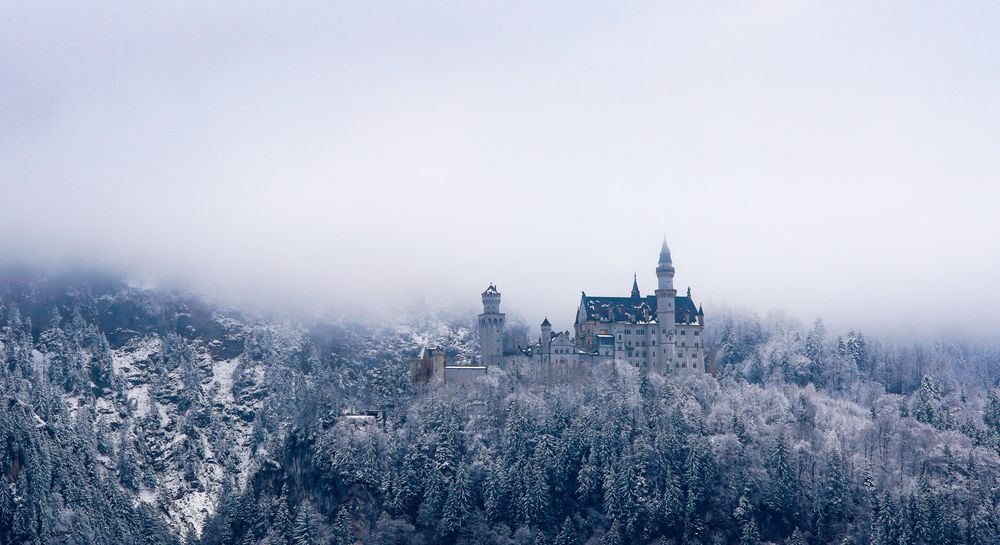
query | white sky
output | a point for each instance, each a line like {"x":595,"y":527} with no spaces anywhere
{"x":836,"y":159}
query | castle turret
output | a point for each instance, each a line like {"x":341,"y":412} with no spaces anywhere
{"x":665,"y":312}
{"x":546,"y":341}
{"x":635,"y":287}
{"x":491,"y":327}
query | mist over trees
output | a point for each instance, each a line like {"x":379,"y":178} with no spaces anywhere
{"x":124,"y":408}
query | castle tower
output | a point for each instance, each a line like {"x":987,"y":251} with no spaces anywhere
{"x":491,"y":327}
{"x":665,"y":311}
{"x":546,"y":341}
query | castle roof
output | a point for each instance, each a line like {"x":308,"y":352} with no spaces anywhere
{"x":632,"y":310}
{"x":490,"y":290}
{"x":546,"y":322}
{"x":665,"y":253}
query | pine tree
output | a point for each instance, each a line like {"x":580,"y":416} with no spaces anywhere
{"x":343,"y":531}
{"x":567,"y":534}
{"x":781,"y":497}
{"x":744,"y":512}
{"x":796,"y":538}
{"x":740,"y":430}
{"x":729,"y":348}
{"x":927,"y":399}
{"x":458,"y":506}
{"x":589,"y":480}
{"x":991,"y":412}
{"x":984,"y":528}
{"x":922,"y":512}
{"x":815,"y":351}
{"x":303,"y":533}
{"x":535,"y":501}
{"x":696,"y":483}
{"x":836,"y":497}
{"x":434,"y":497}
{"x":494,"y":499}
{"x":282,"y":524}
{"x":749,"y":535}
{"x":672,"y":505}
{"x":627,"y":507}
{"x":613,"y":536}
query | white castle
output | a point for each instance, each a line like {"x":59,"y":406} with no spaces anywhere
{"x":661,"y":331}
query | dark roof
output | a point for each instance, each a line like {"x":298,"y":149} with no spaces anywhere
{"x":664,"y":253}
{"x":641,"y":310}
{"x":491,"y":289}
{"x":546,"y":322}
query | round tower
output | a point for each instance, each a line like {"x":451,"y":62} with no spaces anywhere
{"x":546,"y":341}
{"x":666,"y":297}
{"x":665,"y":269}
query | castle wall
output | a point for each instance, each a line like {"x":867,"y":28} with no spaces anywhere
{"x":461,"y":375}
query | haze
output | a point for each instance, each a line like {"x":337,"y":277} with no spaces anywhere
{"x":834,"y":159}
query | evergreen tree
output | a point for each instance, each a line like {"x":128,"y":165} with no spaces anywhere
{"x":494,"y":496}
{"x":749,"y":535}
{"x":796,"y":538}
{"x":303,"y":533}
{"x":613,"y":536}
{"x":744,"y":511}
{"x":567,"y":534}
{"x":282,"y":521}
{"x":991,"y":412}
{"x":925,"y":400}
{"x":672,"y":505}
{"x":535,"y":502}
{"x":740,"y":429}
{"x":458,"y":506}
{"x":781,"y":497}
{"x":836,"y":491}
{"x":589,"y":479}
{"x":816,"y":351}
{"x":343,"y":531}
{"x":696,"y":482}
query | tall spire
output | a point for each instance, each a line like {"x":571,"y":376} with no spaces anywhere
{"x":635,"y":287}
{"x":665,"y":253}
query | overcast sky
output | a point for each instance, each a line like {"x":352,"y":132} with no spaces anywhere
{"x":836,"y":159}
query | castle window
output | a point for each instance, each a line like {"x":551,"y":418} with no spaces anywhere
{"x":683,"y":332}
{"x":696,"y":332}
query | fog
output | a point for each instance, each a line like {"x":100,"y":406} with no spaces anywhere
{"x":826,"y":159}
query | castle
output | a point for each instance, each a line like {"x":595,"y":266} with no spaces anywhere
{"x":663,"y":331}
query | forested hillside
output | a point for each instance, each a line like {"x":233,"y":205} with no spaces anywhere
{"x":141,"y":416}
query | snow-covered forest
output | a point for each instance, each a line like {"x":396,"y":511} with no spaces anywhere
{"x":141,"y":416}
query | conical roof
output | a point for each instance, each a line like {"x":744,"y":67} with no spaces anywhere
{"x":665,"y":253}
